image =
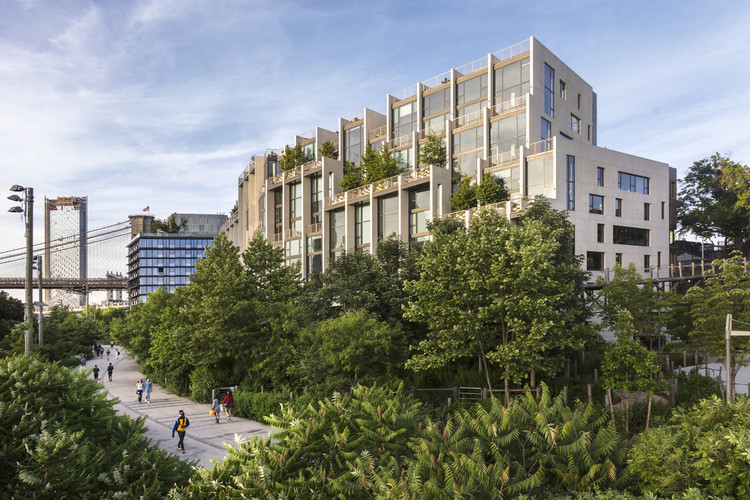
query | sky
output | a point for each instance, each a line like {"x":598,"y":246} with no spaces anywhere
{"x":162,"y":103}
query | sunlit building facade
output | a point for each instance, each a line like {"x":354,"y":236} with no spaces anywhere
{"x":519,"y":114}
{"x":65,"y":246}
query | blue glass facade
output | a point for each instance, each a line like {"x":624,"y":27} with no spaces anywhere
{"x":162,"y":261}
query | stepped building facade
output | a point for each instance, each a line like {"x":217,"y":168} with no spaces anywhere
{"x":519,"y":114}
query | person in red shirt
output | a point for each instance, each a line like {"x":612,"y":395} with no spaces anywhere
{"x":228,"y":403}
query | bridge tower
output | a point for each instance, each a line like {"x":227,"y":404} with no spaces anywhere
{"x":65,"y":245}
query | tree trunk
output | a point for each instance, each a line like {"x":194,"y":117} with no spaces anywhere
{"x":611,"y":408}
{"x":507,"y":386}
{"x":486,"y":370}
{"x":648,"y":413}
{"x":626,"y":407}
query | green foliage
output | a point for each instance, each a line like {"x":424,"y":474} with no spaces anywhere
{"x":328,"y":150}
{"x":11,"y":309}
{"x":693,"y":387}
{"x":726,"y":293}
{"x":292,"y":157}
{"x":60,"y":437}
{"x":259,"y":405}
{"x":67,"y":335}
{"x":709,"y":205}
{"x":471,"y":195}
{"x":432,"y":152}
{"x":499,"y":291}
{"x":353,"y":176}
{"x":170,"y":225}
{"x":706,"y":448}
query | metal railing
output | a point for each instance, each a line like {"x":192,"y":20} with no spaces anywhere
{"x":438,"y":131}
{"x":313,"y":229}
{"x":377,"y":132}
{"x":503,"y":159}
{"x":360,"y":192}
{"x":337,"y":198}
{"x":403,"y":140}
{"x":359,"y":115}
{"x":312,"y":165}
{"x":385,"y":183}
{"x":416,"y":174}
{"x":292,"y":233}
{"x":438,"y":80}
{"x":513,"y":51}
{"x":405,"y":93}
{"x":539,"y":147}
{"x":310,"y":134}
{"x":466,"y":120}
{"x":276,"y":179}
{"x":509,"y":106}
{"x":472,"y":66}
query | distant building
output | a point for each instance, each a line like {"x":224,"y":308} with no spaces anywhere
{"x":166,"y":259}
{"x":519,"y":114}
{"x":65,"y":248}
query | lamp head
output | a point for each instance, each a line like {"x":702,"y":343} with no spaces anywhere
{"x":15,"y":197}
{"x":16,"y":188}
{"x":16,"y":210}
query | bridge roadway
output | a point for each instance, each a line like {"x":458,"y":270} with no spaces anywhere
{"x":67,"y":283}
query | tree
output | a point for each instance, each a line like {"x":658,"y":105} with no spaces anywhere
{"x":726,"y":293}
{"x":629,"y":291}
{"x":353,"y":177}
{"x":628,"y":366}
{"x":505,"y":293}
{"x":170,"y":225}
{"x":292,"y":157}
{"x":709,"y":207}
{"x":328,"y":150}
{"x":432,"y":152}
{"x":470,"y":195}
{"x":351,"y":349}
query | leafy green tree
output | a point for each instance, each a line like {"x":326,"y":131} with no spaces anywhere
{"x":628,"y":366}
{"x":292,"y":157}
{"x":705,"y":448}
{"x":170,"y":225}
{"x":628,"y":290}
{"x":726,"y":293}
{"x":354,"y":176}
{"x":10,"y":308}
{"x":328,"y":150}
{"x":67,"y":335}
{"x":351,"y":349}
{"x":470,"y":195}
{"x":465,"y":197}
{"x":432,"y":152}
{"x":707,"y":207}
{"x":11,"y":315}
{"x":61,"y":438}
{"x":500,"y":292}
{"x":735,"y":178}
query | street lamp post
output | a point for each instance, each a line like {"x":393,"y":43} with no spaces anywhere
{"x":28,"y":211}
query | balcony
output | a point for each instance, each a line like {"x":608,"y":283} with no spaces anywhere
{"x":537,"y":148}
{"x":315,"y":229}
{"x":437,"y":132}
{"x":384,"y":184}
{"x":466,"y":120}
{"x":291,"y":234}
{"x":436,"y":81}
{"x":312,"y":166}
{"x":405,"y":93}
{"x":513,"y":50}
{"x":377,"y":133}
{"x":509,"y":106}
{"x":398,"y":142}
{"x":337,"y":198}
{"x":415,"y":175}
{"x":276,"y":179}
{"x":473,"y":66}
{"x":360,"y":192}
{"x":500,"y":160}
{"x":354,"y":117}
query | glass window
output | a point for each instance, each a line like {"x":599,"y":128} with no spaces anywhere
{"x":338,"y":229}
{"x":575,"y":124}
{"x":404,"y":157}
{"x":549,"y":90}
{"x":404,"y":119}
{"x":468,"y":139}
{"x":539,"y":175}
{"x":662,"y":210}
{"x":596,"y":204}
{"x":511,"y":176}
{"x":354,"y":144}
{"x":546,"y":129}
{"x":618,"y":258}
{"x":512,"y":81}
{"x":622,"y":235}
{"x":599,"y":176}
{"x":508,"y":134}
{"x":437,"y":102}
{"x":595,"y":261}
{"x":570,"y":177}
{"x":436,"y":124}
{"x":361,"y":225}
{"x":467,"y":164}
{"x":633,"y":183}
{"x":646,"y":263}
{"x":473,"y":89}
{"x":309,"y":150}
{"x":387,"y":217}
{"x":295,"y":200}
{"x":316,"y":198}
{"x":272,"y":166}
{"x":600,"y":233}
{"x":563,"y":92}
{"x":419,"y":212}
{"x":618,"y":207}
{"x":646,"y":211}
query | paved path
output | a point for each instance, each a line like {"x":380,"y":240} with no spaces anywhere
{"x":204,"y":440}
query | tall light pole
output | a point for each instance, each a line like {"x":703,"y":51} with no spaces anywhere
{"x":28,"y":211}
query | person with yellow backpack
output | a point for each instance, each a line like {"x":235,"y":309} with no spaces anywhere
{"x":180,"y":425}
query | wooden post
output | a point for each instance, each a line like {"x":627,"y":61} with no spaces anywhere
{"x":596,"y":375}
{"x":455,"y":393}
{"x":589,"y":391}
{"x":538,"y":393}
{"x":533,"y":378}
{"x":684,"y":357}
{"x":695,"y":353}
{"x":565,"y":395}
{"x":718,"y":381}
{"x":705,"y":360}
{"x":672,"y":392}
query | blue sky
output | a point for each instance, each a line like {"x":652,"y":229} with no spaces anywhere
{"x":162,"y":103}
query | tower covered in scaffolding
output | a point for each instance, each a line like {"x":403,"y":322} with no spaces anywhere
{"x":65,"y":249}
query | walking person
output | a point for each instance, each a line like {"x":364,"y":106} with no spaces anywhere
{"x":83,"y":361}
{"x":110,"y":369}
{"x":118,"y":354}
{"x":96,"y":372}
{"x":216,"y":408}
{"x":180,"y":425}
{"x":147,"y":386}
{"x":228,"y":403}
{"x":108,"y":354}
{"x":139,"y":390}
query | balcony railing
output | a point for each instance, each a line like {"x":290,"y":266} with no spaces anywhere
{"x":310,"y":134}
{"x":276,"y":179}
{"x":438,"y":132}
{"x":505,"y":208}
{"x":292,"y":233}
{"x":536,"y":148}
{"x":277,"y":237}
{"x":385,"y":183}
{"x":473,"y":66}
{"x":405,"y":93}
{"x":314,"y":229}
{"x":354,"y":117}
{"x":470,"y":119}
{"x":377,"y":132}
{"x":312,"y":165}
{"x":404,"y":140}
{"x":360,"y":192}
{"x":509,"y":106}
{"x":417,"y":174}
{"x":293,"y":172}
{"x":513,"y":50}
{"x":503,"y":159}
{"x":337,"y":198}
{"x":436,"y":81}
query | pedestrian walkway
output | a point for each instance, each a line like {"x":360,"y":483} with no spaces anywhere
{"x":205,"y":438}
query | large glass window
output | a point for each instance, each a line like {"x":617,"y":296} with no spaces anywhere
{"x":404,"y":157}
{"x":570,"y":180}
{"x":575,"y":124}
{"x":337,"y":237}
{"x":354,"y":144}
{"x":546,"y":129}
{"x":633,"y":183}
{"x":278,"y":214}
{"x":599,"y":176}
{"x":316,"y":199}
{"x":272,"y":166}
{"x":314,"y":254}
{"x":387,"y":217}
{"x":404,"y":119}
{"x":436,"y":124}
{"x":596,"y":204}
{"x":618,"y":207}
{"x":419,"y":211}
{"x":436,"y":102}
{"x":512,"y":81}
{"x":467,"y":140}
{"x":539,"y":175}
{"x":471,"y":90}
{"x":549,"y":90}
{"x":508,"y":134}
{"x":466,"y":164}
{"x":622,"y":235}
{"x":362,"y":225}
{"x":309,"y":150}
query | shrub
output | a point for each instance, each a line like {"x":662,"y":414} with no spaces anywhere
{"x":60,"y":437}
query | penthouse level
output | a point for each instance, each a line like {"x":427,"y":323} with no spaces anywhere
{"x":520,"y":114}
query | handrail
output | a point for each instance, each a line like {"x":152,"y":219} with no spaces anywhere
{"x":438,"y":80}
{"x":509,"y":106}
{"x":405,"y":93}
{"x":466,"y":120}
{"x":539,"y":147}
{"x":378,"y":132}
{"x":513,"y":51}
{"x":472,"y":66}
